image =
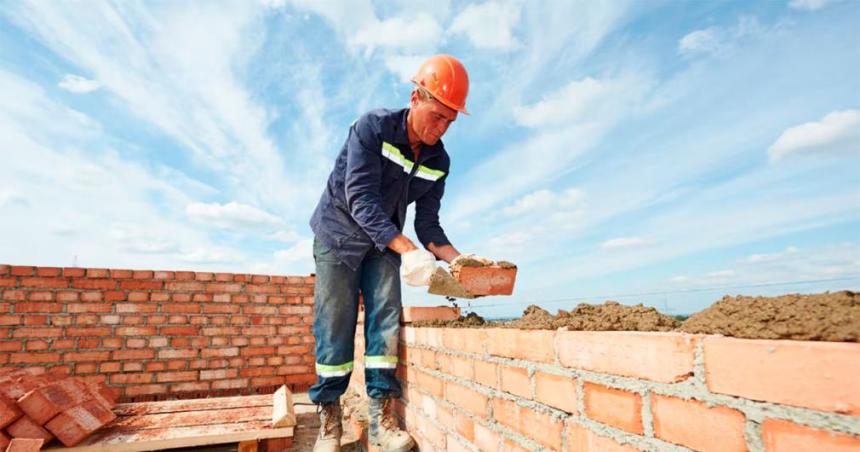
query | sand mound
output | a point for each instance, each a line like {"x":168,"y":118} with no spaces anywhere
{"x":471,"y":320}
{"x":820,"y":317}
{"x":609,"y":316}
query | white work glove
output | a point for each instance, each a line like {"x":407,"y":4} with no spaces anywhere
{"x":417,"y":266}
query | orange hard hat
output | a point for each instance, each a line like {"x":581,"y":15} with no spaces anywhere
{"x":446,"y":79}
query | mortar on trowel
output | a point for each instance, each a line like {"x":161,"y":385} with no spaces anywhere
{"x":474,"y":276}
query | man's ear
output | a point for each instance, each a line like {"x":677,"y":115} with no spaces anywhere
{"x":414,"y":98}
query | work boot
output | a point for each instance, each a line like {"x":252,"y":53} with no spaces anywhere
{"x":328,"y":439}
{"x":384,"y":432}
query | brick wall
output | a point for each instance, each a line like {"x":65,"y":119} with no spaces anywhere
{"x":160,"y":334}
{"x":505,"y":389}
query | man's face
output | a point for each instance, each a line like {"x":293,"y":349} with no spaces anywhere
{"x":431,"y":119}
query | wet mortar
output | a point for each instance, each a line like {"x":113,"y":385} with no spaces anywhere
{"x":817,"y":317}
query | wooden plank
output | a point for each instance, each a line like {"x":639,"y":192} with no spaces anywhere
{"x":171,"y":437}
{"x":170,"y":406}
{"x":191,"y":418}
{"x":248,"y":446}
{"x":283,"y":413}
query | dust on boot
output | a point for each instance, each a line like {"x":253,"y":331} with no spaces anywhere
{"x":384,"y":432}
{"x":331,"y":429}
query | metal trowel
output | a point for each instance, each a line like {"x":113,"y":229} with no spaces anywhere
{"x":442,"y":283}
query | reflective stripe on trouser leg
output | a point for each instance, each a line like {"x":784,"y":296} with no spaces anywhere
{"x":339,"y":370}
{"x":380,"y":284}
{"x":380,"y":362}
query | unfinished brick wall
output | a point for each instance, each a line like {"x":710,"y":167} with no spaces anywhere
{"x":160,"y":334}
{"x":507,"y":389}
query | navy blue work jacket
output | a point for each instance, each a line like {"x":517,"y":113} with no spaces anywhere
{"x":374,"y":178}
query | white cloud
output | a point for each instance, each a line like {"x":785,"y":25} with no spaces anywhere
{"x":134,"y":239}
{"x":300,"y":252}
{"x":721,"y":274}
{"x":420,"y":33}
{"x":211,"y":255}
{"x":285,"y":235}
{"x":624,"y":242}
{"x":574,"y":102}
{"x":837,"y":132}
{"x":700,"y":41}
{"x":78,"y":84}
{"x":807,"y":5}
{"x":488,"y":25}
{"x":231,"y":215}
{"x":773,"y":256}
{"x":544,"y":200}
{"x":404,"y":66}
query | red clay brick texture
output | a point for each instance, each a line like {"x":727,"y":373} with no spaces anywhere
{"x":581,"y":439}
{"x":615,"y":407}
{"x":25,"y":445}
{"x":159,"y":334}
{"x":817,"y":375}
{"x":423,"y":313}
{"x":492,"y":280}
{"x":785,"y":436}
{"x":693,"y":424}
{"x":76,"y":423}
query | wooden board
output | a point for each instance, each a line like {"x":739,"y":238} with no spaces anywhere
{"x":184,"y":423}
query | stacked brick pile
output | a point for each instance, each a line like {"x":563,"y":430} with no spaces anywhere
{"x":39,"y":405}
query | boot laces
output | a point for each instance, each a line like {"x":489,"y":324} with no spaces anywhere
{"x":328,"y":411}
{"x":387,"y":420}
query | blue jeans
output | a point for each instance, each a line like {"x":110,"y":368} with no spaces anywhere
{"x":335,"y":314}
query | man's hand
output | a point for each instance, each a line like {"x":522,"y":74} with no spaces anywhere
{"x":417,"y":266}
{"x":401,"y":244}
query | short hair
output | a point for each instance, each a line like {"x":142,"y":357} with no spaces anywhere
{"x":423,"y":94}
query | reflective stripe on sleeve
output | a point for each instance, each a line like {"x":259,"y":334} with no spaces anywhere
{"x":391,"y":152}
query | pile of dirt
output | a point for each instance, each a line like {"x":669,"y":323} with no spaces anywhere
{"x":471,"y":320}
{"x":820,"y":317}
{"x":609,"y":316}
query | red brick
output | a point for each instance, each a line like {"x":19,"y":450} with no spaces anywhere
{"x":168,"y":377}
{"x":542,"y":427}
{"x":98,"y":273}
{"x":556,"y":391}
{"x":529,"y":345}
{"x":25,"y":445}
{"x":693,"y":424}
{"x":486,"y":439}
{"x":10,"y":319}
{"x":45,"y":283}
{"x":24,"y":427}
{"x":184,"y":286}
{"x":49,"y":271}
{"x":492,"y":280}
{"x":177,"y":353}
{"x":423,"y":313}
{"x":132,"y":354}
{"x":14,"y":295}
{"x":9,"y":411}
{"x":94,"y":284}
{"x":33,"y":358}
{"x":219,"y":352}
{"x":466,"y":398}
{"x":76,"y":423}
{"x":662,"y":357}
{"x":37,"y":332}
{"x":141,"y":285}
{"x":77,"y":308}
{"x":615,"y":407}
{"x":5,"y":440}
{"x":486,"y":374}
{"x":46,"y":402}
{"x":85,"y":356}
{"x":581,"y":439}
{"x":8,"y":282}
{"x":18,"y":270}
{"x":142,"y":274}
{"x":91,"y":296}
{"x":785,"y":436}
{"x":817,"y":375}
{"x":136,"y":331}
{"x":137,"y":390}
{"x":74,"y":272}
{"x":515,"y":380}
{"x":90,"y":331}
{"x":121,"y":274}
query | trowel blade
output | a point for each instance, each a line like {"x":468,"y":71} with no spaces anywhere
{"x":442,"y":283}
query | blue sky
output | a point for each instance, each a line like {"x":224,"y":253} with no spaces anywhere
{"x":665,"y":153}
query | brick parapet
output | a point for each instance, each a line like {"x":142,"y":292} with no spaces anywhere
{"x":160,"y":334}
{"x":672,"y":406}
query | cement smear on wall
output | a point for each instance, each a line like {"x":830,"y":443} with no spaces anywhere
{"x":821,"y":317}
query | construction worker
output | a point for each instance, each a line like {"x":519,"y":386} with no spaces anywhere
{"x":390,"y":159}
